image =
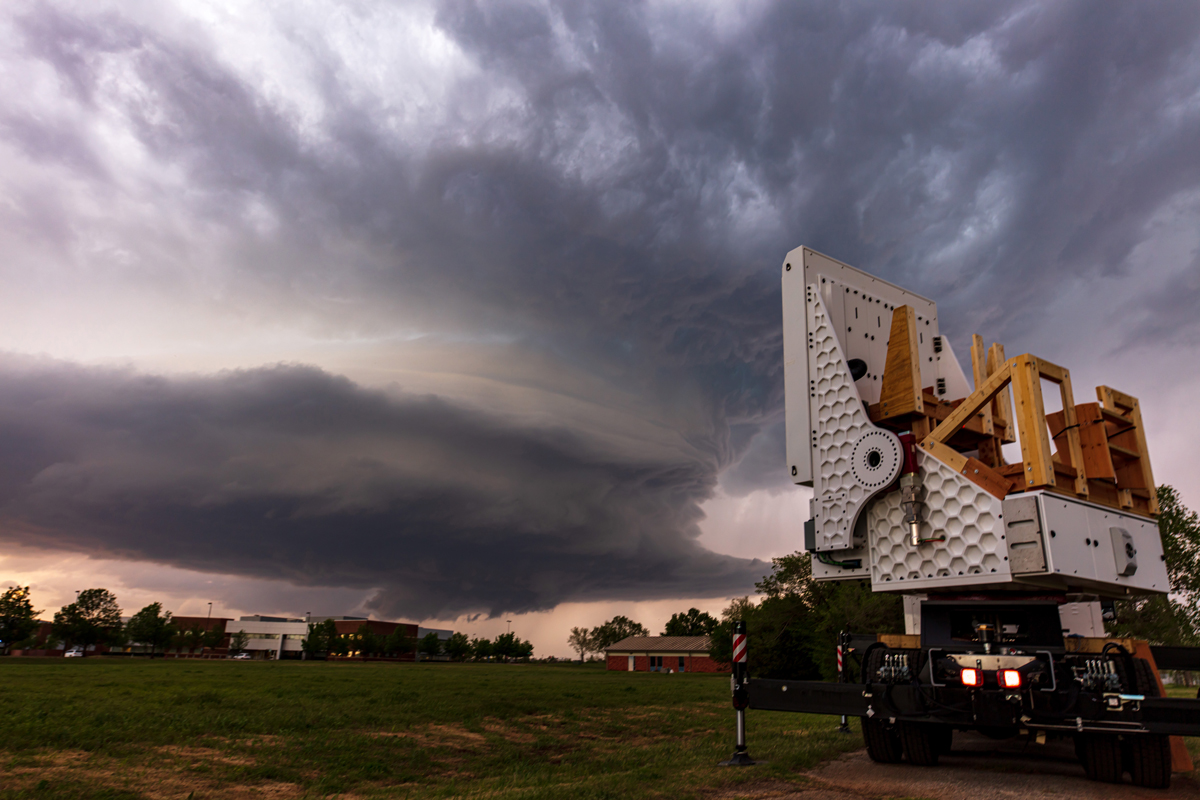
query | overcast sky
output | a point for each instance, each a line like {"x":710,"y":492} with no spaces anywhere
{"x":468,"y":312}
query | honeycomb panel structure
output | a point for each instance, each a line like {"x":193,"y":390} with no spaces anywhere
{"x":969,"y":518}
{"x":838,"y":420}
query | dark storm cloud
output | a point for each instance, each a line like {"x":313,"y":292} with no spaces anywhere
{"x":616,"y":184}
{"x":290,"y":473}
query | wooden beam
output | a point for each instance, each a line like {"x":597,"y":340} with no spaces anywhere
{"x":1074,"y":447}
{"x":1128,"y":407}
{"x":971,"y":404}
{"x":947,"y":455}
{"x":979,"y":368}
{"x":1051,"y":372}
{"x":1031,"y":418}
{"x":1002,"y":403}
{"x":900,"y":392}
{"x":972,"y":469}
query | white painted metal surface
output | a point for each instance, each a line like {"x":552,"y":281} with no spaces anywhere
{"x":834,"y":313}
{"x":841,"y":437}
{"x":974,"y":552}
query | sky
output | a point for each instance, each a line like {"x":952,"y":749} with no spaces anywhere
{"x":469,"y":313}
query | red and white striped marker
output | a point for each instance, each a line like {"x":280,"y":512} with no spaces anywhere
{"x":739,"y":648}
{"x":839,"y":648}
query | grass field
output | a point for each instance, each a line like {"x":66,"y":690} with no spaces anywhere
{"x":100,"y":728}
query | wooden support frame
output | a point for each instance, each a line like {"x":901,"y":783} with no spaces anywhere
{"x":1117,"y":419}
{"x":980,"y":374}
{"x":1002,"y":402}
{"x":989,"y":449}
{"x":1024,"y":373}
{"x":1126,"y":406}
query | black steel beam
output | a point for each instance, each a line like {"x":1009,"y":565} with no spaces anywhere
{"x":808,"y":697}
{"x":1176,"y":657}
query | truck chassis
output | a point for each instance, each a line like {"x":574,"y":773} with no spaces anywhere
{"x":1026,"y":682}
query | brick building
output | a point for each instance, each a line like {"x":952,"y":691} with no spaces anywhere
{"x":663,"y":654}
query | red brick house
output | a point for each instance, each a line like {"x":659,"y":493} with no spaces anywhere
{"x":663,"y":654}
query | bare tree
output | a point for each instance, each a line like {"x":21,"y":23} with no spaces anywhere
{"x":581,"y":640}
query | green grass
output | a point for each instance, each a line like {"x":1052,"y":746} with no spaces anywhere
{"x":131,"y":729}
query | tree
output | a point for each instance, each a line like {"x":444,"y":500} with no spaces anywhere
{"x":458,"y":647}
{"x":581,"y":640}
{"x":192,"y":638}
{"x":335,"y":643}
{"x":693,"y":622}
{"x":238,"y":642}
{"x":366,"y":642}
{"x":505,"y":646}
{"x":523,"y":650}
{"x":18,"y":620}
{"x":615,"y":630}
{"x":314,"y":640}
{"x":431,"y":645}
{"x":212,"y":637}
{"x":151,"y":626}
{"x":481,"y":649}
{"x":94,"y":618}
{"x":738,"y":608}
{"x":399,"y":642}
{"x":1169,"y":619}
{"x":793,"y":632}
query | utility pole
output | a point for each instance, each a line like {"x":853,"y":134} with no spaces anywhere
{"x":210,"y":611}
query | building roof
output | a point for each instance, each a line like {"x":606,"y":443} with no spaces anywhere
{"x":651,"y":644}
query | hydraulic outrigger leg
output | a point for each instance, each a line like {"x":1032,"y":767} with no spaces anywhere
{"x":741,"y":698}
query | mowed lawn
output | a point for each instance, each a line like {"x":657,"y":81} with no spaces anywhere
{"x":108,"y":728}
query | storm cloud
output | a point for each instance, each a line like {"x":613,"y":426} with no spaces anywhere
{"x":290,"y":473}
{"x":562,"y":221}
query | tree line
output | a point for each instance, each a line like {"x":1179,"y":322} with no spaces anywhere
{"x":692,"y":622}
{"x":94,"y":619}
{"x":323,"y":639}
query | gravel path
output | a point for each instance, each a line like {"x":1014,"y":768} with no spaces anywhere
{"x":977,"y":769}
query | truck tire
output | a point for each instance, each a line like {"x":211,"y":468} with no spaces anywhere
{"x":872,"y":661}
{"x":883,"y":743}
{"x":1148,"y":756}
{"x":1149,"y":760}
{"x":1144,"y":681}
{"x":1101,"y":757}
{"x":943,"y":737}
{"x":920,"y":741}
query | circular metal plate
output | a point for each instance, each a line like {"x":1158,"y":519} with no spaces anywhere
{"x":876,"y":459}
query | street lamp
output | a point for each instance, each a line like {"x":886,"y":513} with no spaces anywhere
{"x":509,"y":625}
{"x":210,"y":611}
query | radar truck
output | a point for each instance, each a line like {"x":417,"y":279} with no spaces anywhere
{"x":1004,"y":555}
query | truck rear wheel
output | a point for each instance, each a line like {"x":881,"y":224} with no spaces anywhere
{"x":1148,"y":756}
{"x":944,"y":739}
{"x":1101,"y":756}
{"x":883,"y":743}
{"x":921,"y":742}
{"x":1149,"y":760}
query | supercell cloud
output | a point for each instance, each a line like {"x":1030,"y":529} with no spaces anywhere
{"x":475,"y":305}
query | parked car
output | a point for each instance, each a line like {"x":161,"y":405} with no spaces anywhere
{"x":74,"y":652}
{"x":241,"y":657}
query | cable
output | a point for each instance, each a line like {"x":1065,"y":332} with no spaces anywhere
{"x":854,"y":563}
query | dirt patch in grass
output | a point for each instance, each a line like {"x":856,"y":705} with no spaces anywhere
{"x":198,"y":754}
{"x":45,"y":770}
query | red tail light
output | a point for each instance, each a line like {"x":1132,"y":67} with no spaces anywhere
{"x":971,"y":677}
{"x":1011,"y":679}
